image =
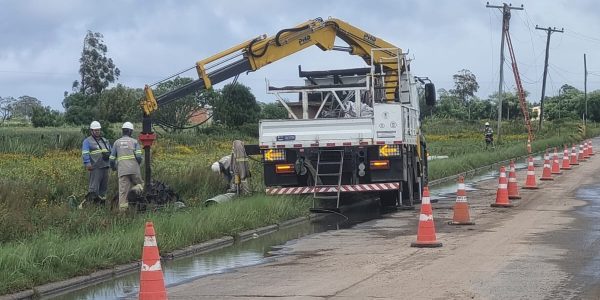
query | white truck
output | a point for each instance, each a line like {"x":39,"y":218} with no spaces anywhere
{"x":352,"y":131}
{"x":344,"y":138}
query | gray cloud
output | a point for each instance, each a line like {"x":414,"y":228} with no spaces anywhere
{"x":150,"y":40}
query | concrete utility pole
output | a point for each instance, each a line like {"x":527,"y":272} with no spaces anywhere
{"x":585,"y":88}
{"x":549,"y":31}
{"x":505,"y":22}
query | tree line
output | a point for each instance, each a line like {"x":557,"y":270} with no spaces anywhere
{"x":91,"y":98}
{"x":462,"y":103}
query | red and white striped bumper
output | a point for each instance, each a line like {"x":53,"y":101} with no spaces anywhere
{"x":371,"y":187}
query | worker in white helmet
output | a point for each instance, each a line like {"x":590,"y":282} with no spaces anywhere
{"x":489,"y":135}
{"x":126,"y":157}
{"x":223,"y":167}
{"x":234,"y":168}
{"x":95,"y":152}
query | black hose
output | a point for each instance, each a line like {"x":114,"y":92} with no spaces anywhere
{"x":278,"y":43}
{"x":253,"y":54}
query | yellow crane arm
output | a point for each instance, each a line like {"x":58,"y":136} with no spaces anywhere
{"x":256,"y":53}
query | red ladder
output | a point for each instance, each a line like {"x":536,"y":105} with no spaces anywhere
{"x":520,"y":91}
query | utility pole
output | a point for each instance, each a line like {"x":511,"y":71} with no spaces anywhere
{"x":585,"y":88}
{"x":549,"y":31}
{"x":505,"y":25}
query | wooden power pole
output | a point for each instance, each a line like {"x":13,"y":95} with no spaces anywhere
{"x":585,"y":73}
{"x":506,"y":8}
{"x":549,"y":31}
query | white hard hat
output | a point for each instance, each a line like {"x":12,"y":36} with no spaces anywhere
{"x":215,"y":167}
{"x":95,"y":125}
{"x":487,"y":123}
{"x":127,"y":125}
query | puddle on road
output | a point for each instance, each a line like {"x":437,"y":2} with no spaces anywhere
{"x":248,"y":253}
{"x":591,"y":193}
{"x":447,"y":191}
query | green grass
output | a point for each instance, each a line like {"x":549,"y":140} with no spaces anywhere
{"x":43,"y":239}
{"x":466,"y":149}
{"x":54,"y":255}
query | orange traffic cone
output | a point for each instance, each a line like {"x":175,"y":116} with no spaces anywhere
{"x":152,"y":283}
{"x":586,"y":150}
{"x":461,"y":207}
{"x":581,"y":154}
{"x":573,"y":160}
{"x":555,"y":164}
{"x":530,"y":183}
{"x":513,"y":186}
{"x":547,"y":173}
{"x":565,"y":161}
{"x":426,"y":230}
{"x":502,"y":193}
{"x":591,"y":148}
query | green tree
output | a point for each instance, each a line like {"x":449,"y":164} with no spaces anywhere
{"x":482,"y":109}
{"x":236,"y":106}
{"x":273,"y":111}
{"x":80,"y":109}
{"x":450,"y":106}
{"x":96,"y":69}
{"x":511,"y":107}
{"x":120,"y":104}
{"x":24,"y":105}
{"x":46,"y":117}
{"x":6,"y":108}
{"x":176,"y":115}
{"x":465,"y":86}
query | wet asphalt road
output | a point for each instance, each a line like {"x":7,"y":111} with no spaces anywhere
{"x":546,"y":247}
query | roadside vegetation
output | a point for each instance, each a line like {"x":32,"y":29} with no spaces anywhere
{"x":464,"y":144}
{"x":45,"y":238}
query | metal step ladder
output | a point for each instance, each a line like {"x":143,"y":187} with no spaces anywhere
{"x":319,"y":176}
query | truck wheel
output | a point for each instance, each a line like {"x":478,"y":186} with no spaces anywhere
{"x":407,"y":199}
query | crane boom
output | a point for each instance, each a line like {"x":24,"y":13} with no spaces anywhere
{"x":256,"y":53}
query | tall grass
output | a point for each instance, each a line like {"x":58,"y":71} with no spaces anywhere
{"x":54,"y":255}
{"x":467,"y":149}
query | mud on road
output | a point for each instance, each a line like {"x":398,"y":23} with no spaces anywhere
{"x":546,"y":247}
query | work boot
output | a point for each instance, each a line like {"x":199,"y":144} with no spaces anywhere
{"x":99,"y":200}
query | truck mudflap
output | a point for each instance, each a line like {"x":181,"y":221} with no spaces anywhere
{"x":370,"y":187}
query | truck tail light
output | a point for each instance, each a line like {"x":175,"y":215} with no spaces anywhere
{"x":379,"y":164}
{"x":284,"y":168}
{"x":274,"y":155}
{"x":389,"y":150}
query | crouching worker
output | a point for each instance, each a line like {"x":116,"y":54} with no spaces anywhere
{"x":234,"y":169}
{"x":126,"y":157}
{"x":223,"y":167}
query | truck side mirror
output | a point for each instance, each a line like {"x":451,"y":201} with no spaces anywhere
{"x":430,"y":94}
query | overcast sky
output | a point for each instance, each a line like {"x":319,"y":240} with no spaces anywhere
{"x":150,"y":40}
